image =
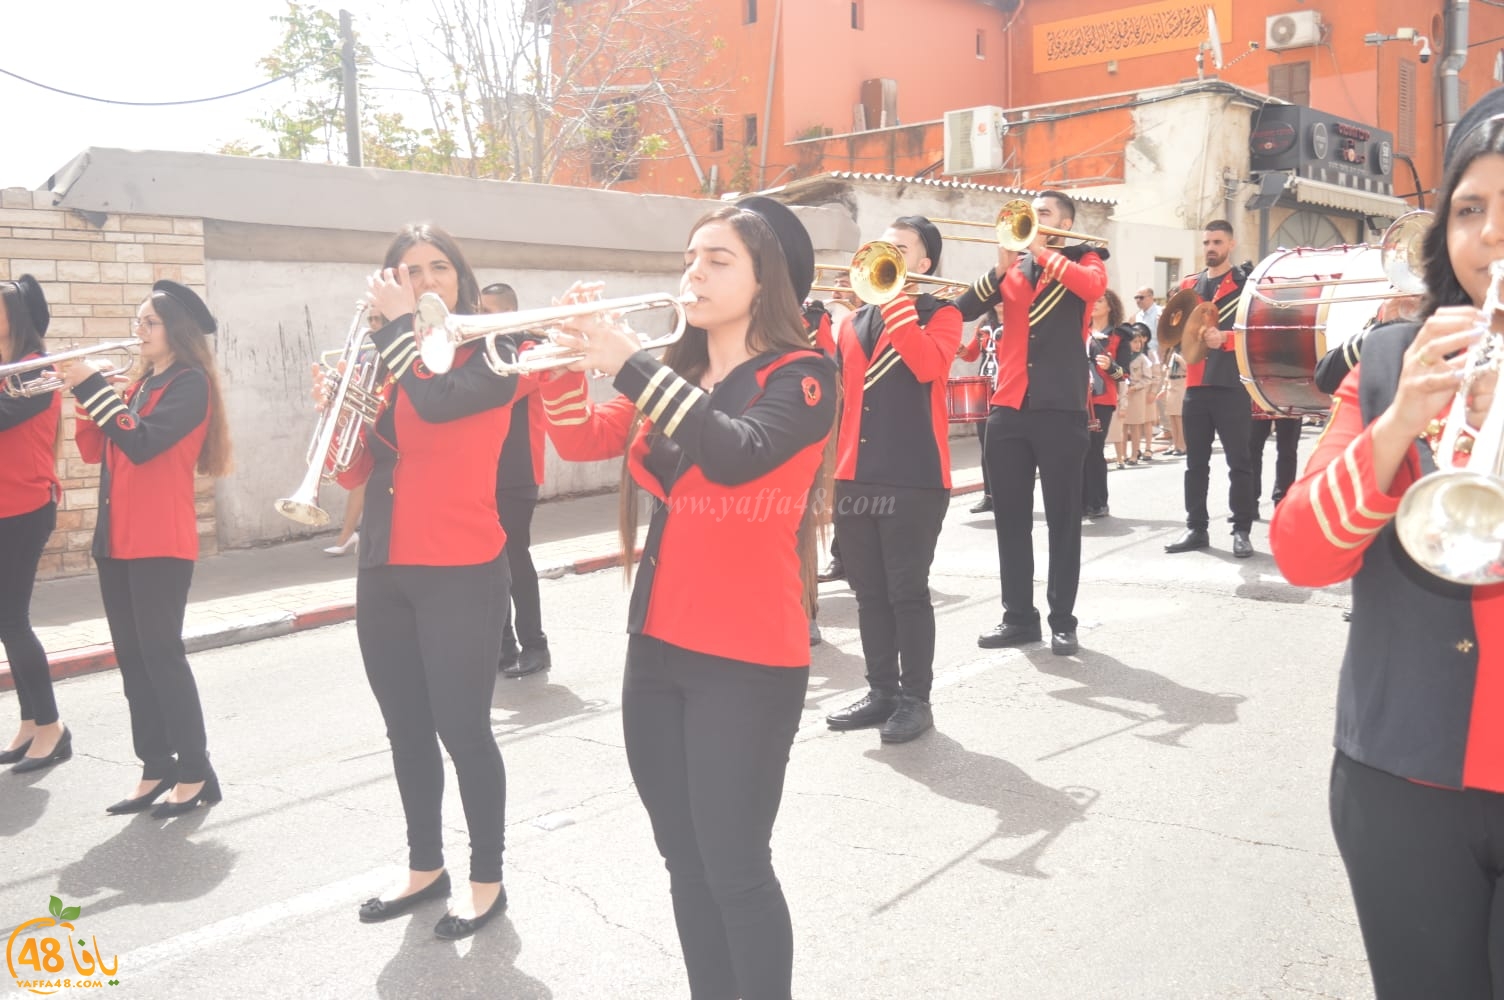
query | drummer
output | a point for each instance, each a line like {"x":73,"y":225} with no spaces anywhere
{"x":893,"y":483}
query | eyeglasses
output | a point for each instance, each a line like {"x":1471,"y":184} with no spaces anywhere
{"x":1143,"y":296}
{"x":150,"y":322}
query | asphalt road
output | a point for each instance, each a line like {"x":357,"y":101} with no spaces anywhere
{"x":1145,"y":820}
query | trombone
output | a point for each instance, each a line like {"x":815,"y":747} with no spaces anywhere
{"x":1015,"y":227}
{"x":13,"y":386}
{"x":877,"y":274}
{"x":440,"y":333}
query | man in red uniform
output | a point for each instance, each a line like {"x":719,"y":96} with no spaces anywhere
{"x":1216,"y":404}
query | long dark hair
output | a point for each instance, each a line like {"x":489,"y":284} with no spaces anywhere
{"x":25,"y":338}
{"x":190,"y":346}
{"x":776,"y":326}
{"x":423,"y":232}
{"x":1442,"y":286}
{"x":1114,"y":310}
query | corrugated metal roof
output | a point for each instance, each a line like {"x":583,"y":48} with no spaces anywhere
{"x":847,"y":175}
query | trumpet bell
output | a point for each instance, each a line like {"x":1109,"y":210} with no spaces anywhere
{"x":1400,"y":252}
{"x":1452,"y":524}
{"x":878,"y":273}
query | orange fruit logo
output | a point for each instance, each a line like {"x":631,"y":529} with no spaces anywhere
{"x":35,"y":956}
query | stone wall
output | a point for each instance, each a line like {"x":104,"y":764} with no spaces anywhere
{"x":95,"y":269}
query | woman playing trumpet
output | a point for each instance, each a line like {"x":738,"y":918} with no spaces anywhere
{"x":1417,"y":783}
{"x":726,"y":433}
{"x":432,"y":574}
{"x":28,"y":512}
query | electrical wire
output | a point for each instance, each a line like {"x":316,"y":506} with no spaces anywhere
{"x":155,"y":104}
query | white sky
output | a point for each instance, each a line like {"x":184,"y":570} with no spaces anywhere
{"x":152,"y":50}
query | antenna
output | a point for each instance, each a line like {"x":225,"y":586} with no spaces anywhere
{"x":1213,"y":37}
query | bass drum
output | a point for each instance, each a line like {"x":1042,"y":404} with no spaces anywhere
{"x":1291,"y":313}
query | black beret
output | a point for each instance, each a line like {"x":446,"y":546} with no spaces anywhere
{"x":36,"y":302}
{"x":1141,"y":330}
{"x":189,"y":300}
{"x":798,"y":248}
{"x":929,"y":233}
{"x":1472,"y":120}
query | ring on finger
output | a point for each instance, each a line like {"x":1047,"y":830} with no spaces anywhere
{"x":1425,"y":360}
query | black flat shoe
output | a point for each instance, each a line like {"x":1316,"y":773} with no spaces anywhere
{"x":981,"y":506}
{"x":452,"y":928}
{"x":833,"y":571}
{"x":60,"y":753}
{"x":530,"y":660}
{"x":1194,"y":538}
{"x":912,"y":720}
{"x":11,"y":756}
{"x":874,"y":708}
{"x":375,"y":909}
{"x":1009,"y":635}
{"x":141,"y":802}
{"x":208,"y":795}
{"x":1064,"y":643}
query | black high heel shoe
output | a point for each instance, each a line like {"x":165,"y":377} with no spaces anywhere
{"x":453,"y":928}
{"x":11,"y":756}
{"x":141,"y":802}
{"x":208,"y":795}
{"x":60,"y":753}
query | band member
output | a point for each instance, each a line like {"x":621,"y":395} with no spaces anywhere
{"x":983,"y":346}
{"x":148,"y":442}
{"x":432,"y":574}
{"x":1286,"y":432}
{"x":518,"y":476}
{"x":893,"y":484}
{"x":29,"y":431}
{"x":726,"y":433}
{"x":1216,"y":405}
{"x":1337,"y":362}
{"x":1417,"y":783}
{"x":1038,"y":418}
{"x":817,"y":323}
{"x":1103,"y":340}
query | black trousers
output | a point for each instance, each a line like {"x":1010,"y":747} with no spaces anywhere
{"x":887,"y":536}
{"x":1226,"y":414}
{"x":430,"y":647}
{"x":982,"y":443}
{"x":1286,"y":445}
{"x":1094,"y":472}
{"x":22,"y":539}
{"x":515,"y":507}
{"x":708,"y":742}
{"x":1054,"y":442}
{"x":144,"y":602}
{"x":1424,"y":864}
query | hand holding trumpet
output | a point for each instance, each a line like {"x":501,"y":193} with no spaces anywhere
{"x":601,"y":340}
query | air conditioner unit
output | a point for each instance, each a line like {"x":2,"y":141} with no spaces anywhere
{"x":1292,"y":30}
{"x":974,"y":141}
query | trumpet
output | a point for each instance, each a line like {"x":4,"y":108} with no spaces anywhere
{"x":877,"y":274}
{"x":1015,"y":228}
{"x":440,"y":333}
{"x":10,"y":375}
{"x":336,"y":442}
{"x":1451,"y":521}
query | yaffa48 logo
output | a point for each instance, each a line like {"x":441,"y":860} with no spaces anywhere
{"x":49,"y":954}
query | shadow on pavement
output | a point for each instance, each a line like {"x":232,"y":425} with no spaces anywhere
{"x":149,"y":861}
{"x":1102,"y":682}
{"x":1023,"y":806}
{"x":532,"y":701}
{"x":480,"y":966}
{"x":22,"y":803}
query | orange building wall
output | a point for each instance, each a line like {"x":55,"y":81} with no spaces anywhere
{"x":931,"y":55}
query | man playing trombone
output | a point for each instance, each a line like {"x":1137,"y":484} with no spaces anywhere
{"x":1038,"y":418}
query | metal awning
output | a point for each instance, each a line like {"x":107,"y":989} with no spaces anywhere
{"x":1309,"y":192}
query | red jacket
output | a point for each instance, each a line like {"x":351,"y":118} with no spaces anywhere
{"x":894,"y":429}
{"x":731,"y":469}
{"x":973,"y":349}
{"x":149,"y":443}
{"x":1114,"y":373}
{"x":430,"y":462}
{"x":28,"y":460}
{"x":1223,"y":360}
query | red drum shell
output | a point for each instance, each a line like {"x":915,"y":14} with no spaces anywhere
{"x":1280,"y":341}
{"x":967,"y":399}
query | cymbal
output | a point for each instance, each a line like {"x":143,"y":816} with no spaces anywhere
{"x":1173,"y":318}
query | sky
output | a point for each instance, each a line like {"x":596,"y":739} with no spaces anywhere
{"x":152,"y":50}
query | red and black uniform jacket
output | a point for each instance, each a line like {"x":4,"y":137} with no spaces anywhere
{"x":148,"y":444}
{"x":430,"y":462}
{"x":521,"y":465}
{"x":974,"y":348}
{"x":1047,"y":299}
{"x":817,"y":324}
{"x":1220,"y":366}
{"x":731,"y":471}
{"x":894,"y":363}
{"x":1108,"y":343}
{"x":1421,"y":692}
{"x":28,"y":463}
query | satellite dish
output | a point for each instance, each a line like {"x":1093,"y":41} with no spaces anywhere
{"x":1213,"y":37}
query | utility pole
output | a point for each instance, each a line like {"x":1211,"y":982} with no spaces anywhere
{"x":352,"y":88}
